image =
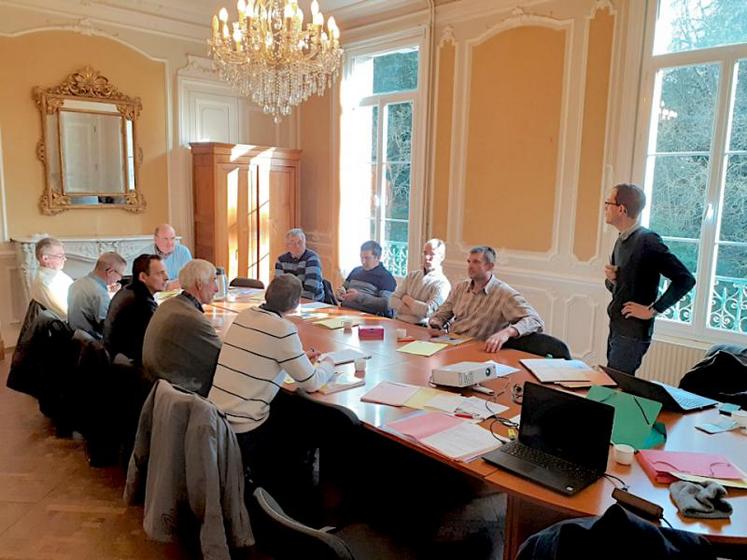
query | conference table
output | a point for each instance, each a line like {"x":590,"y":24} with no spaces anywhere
{"x":530,"y":507}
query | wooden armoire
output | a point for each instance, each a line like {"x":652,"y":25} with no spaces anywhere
{"x":245,"y":200}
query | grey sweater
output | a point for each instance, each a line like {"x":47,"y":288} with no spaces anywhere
{"x":181,"y":345}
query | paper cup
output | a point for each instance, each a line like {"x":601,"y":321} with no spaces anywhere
{"x":623,"y":453}
{"x":401,"y":333}
{"x":347,"y":326}
{"x":740,"y":417}
{"x":360,"y":364}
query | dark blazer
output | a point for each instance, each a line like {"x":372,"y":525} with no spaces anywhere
{"x":129,"y":313}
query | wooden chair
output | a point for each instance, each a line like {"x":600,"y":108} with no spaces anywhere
{"x":241,"y":282}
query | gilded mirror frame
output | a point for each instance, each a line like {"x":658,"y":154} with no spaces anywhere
{"x":90,"y":86}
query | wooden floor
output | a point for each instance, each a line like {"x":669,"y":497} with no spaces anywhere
{"x":52,"y":504}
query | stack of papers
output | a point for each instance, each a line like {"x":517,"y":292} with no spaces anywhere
{"x":388,"y":392}
{"x":450,"y":436}
{"x":555,"y":370}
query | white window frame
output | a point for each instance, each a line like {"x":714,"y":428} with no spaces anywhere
{"x":726,"y":57}
{"x":415,"y":39}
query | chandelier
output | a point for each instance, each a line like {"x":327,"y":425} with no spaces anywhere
{"x":269,"y":56}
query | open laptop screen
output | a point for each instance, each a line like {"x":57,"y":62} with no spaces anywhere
{"x":566,"y":426}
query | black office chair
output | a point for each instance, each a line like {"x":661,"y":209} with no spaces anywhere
{"x":540,"y":344}
{"x":242,"y":282}
{"x":329,"y":293}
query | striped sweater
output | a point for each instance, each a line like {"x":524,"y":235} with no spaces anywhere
{"x":428,"y":290}
{"x":307,"y":268}
{"x":260,"y":347}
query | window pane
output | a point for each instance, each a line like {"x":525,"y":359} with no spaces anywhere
{"x":398,"y":191}
{"x":682,"y":311}
{"x":678,"y":195}
{"x":398,"y":132}
{"x":395,"y":72}
{"x":729,"y":296}
{"x":739,"y":116}
{"x":734,"y":209}
{"x":686,"y":25}
{"x":686,"y":108}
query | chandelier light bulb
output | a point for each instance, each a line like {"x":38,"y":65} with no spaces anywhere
{"x":223,"y":15}
{"x":241,"y":6}
{"x":314,"y":8}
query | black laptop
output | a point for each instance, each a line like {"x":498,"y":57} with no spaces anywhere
{"x":563,"y":440}
{"x":671,"y":398}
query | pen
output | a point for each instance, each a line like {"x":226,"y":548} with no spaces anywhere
{"x":462,"y":415}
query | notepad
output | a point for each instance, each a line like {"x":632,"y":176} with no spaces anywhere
{"x":555,"y":370}
{"x":341,"y":382}
{"x":337,"y":322}
{"x":345,"y":356}
{"x":462,"y":442}
{"x":423,"y":424}
{"x":388,"y":392}
{"x":422,"y":348}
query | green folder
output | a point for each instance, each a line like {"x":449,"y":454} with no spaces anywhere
{"x":634,"y":416}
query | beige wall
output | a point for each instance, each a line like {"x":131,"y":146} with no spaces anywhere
{"x":45,"y":59}
{"x":442,"y":154}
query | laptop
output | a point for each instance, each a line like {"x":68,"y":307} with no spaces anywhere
{"x":670,"y":397}
{"x":563,"y":440}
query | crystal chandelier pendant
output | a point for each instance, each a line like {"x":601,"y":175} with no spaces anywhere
{"x":271,"y":57}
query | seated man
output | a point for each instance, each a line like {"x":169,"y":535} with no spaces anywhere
{"x":180,"y":343}
{"x":483,"y":307}
{"x":303,"y":263}
{"x":368,"y":287}
{"x":422,"y":291}
{"x":88,"y":299}
{"x":174,"y":255}
{"x":51,"y":284}
{"x":133,"y":306}
{"x":261,"y":346}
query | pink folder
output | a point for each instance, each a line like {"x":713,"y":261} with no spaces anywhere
{"x":659,"y":464}
{"x":423,"y":424}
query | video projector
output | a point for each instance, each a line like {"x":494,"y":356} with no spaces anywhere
{"x":463,"y":374}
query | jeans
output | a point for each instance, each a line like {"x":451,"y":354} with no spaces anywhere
{"x":625,"y":353}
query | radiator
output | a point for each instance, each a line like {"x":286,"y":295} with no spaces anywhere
{"x":668,"y":362}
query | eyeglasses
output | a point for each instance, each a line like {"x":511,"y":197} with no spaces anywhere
{"x":607,"y":203}
{"x":57,"y":256}
{"x":115,"y":271}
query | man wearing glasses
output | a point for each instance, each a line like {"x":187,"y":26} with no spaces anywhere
{"x":88,"y":299}
{"x":638,"y":261}
{"x":51,"y":284}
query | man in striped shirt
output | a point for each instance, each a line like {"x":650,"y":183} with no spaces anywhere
{"x":484,"y":307}
{"x":422,"y":291}
{"x":303,"y":263}
{"x":259,"y":349}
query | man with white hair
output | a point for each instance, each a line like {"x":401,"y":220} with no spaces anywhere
{"x":303,"y":263}
{"x":88,"y":299}
{"x":174,"y":255}
{"x":180,"y":343}
{"x":51,"y":284}
{"x":422,"y":291}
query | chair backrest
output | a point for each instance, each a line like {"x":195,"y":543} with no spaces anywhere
{"x":241,"y":282}
{"x":282,"y":536}
{"x":329,"y":293}
{"x":540,"y":344}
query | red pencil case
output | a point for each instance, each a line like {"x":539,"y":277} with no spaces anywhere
{"x":371,"y":332}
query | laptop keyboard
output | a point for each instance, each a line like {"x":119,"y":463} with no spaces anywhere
{"x":688,"y":400}
{"x":544,"y":460}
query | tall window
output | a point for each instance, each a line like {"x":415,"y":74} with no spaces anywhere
{"x":380,"y":94}
{"x":695,"y":164}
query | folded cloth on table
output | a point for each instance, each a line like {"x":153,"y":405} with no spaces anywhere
{"x":705,"y":500}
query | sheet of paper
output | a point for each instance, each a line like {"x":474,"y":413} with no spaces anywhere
{"x":313,"y":306}
{"x":423,"y":424}
{"x":421,"y":348}
{"x":387,"y":392}
{"x":501,"y":370}
{"x":345,"y":356}
{"x":423,"y":396}
{"x":337,"y":322}
{"x":480,"y":408}
{"x":555,"y":370}
{"x":447,"y":403}
{"x":462,"y":442}
{"x":737,"y":483}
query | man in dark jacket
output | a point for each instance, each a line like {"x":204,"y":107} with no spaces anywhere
{"x":132,"y":308}
{"x":638,"y":261}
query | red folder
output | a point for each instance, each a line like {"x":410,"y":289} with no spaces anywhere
{"x":659,"y":465}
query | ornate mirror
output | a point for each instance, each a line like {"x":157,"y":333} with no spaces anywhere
{"x":88,"y":145}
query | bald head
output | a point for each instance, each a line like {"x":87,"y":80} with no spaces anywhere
{"x":164,"y":238}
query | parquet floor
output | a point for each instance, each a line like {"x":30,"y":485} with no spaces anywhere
{"x":53,"y":506}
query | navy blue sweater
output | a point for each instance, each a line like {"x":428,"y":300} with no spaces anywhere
{"x":375,"y":287}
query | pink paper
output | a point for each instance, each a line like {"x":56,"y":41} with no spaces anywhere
{"x":395,"y":394}
{"x":699,"y":464}
{"x":423,"y":424}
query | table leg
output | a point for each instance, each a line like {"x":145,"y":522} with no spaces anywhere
{"x":523,"y":519}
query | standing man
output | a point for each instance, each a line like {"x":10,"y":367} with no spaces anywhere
{"x":88,"y":299}
{"x":422,"y":291}
{"x":484,"y":307}
{"x":174,"y":255}
{"x":51,"y":284}
{"x":302,"y":263}
{"x":132,"y":307}
{"x":368,"y":287}
{"x":638,"y":261}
